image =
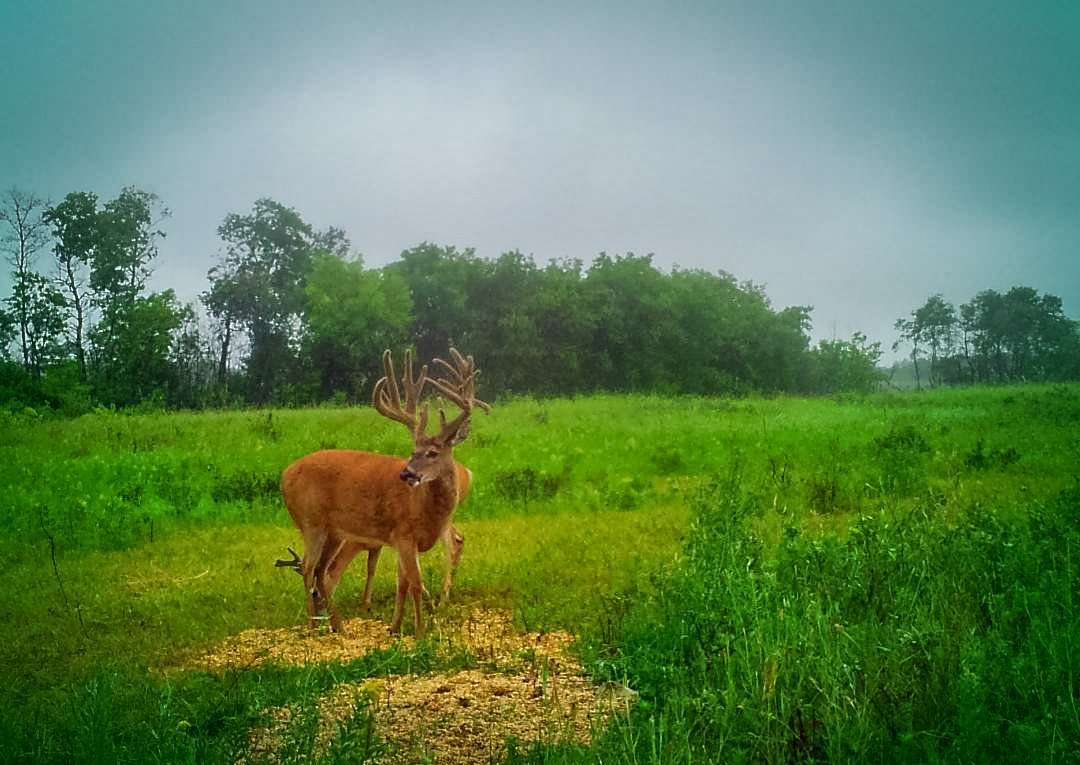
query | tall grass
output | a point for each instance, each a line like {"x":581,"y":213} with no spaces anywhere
{"x":908,"y":639}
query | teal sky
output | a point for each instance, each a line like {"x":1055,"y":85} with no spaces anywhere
{"x":849,"y":156}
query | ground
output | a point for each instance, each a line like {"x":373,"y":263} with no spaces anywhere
{"x":913,"y":550}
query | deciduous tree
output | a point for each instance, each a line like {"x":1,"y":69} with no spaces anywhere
{"x":76,"y":232}
{"x":259,"y":286}
{"x":352,"y":315}
{"x":25,"y":232}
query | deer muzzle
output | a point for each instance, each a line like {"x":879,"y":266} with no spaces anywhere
{"x":409,"y":477}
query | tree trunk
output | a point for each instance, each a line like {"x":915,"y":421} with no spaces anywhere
{"x":80,"y":353}
{"x":21,"y":267}
{"x":24,"y":344}
{"x":72,"y":285}
{"x":967,"y":357}
{"x":223,"y":362}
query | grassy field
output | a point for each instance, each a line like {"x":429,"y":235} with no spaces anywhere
{"x":889,"y":577}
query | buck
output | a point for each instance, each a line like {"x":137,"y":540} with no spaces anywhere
{"x":345,"y":501}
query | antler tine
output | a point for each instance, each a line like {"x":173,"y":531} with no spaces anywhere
{"x":468,"y":363}
{"x":450,"y":369}
{"x":460,"y":384}
{"x":449,"y":392}
{"x":391,"y":377}
{"x":386,"y":397}
{"x":421,"y":425}
{"x":413,"y":386}
{"x":482,"y":404}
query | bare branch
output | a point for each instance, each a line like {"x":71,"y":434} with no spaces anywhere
{"x":297,"y":563}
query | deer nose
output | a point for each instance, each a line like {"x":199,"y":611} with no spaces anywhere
{"x":407,"y":475}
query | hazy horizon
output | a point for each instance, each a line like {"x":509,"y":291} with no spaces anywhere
{"x":853,"y":159}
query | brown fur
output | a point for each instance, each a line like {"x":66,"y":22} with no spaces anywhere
{"x":345,"y":501}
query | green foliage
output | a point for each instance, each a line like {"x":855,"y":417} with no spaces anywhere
{"x":440,"y":280}
{"x":7,"y":333}
{"x":935,"y":321}
{"x":846,"y":365}
{"x":132,"y":350}
{"x":103,"y":257}
{"x":57,"y":390}
{"x":901,"y":457}
{"x":40,"y":312}
{"x":192,"y":380}
{"x":76,"y":239}
{"x":620,"y":325}
{"x":125,"y":243}
{"x":352,"y":315}
{"x":526,"y":484}
{"x":259,"y":287}
{"x":1016,"y":336}
{"x":36,"y":315}
{"x":981,"y":459}
{"x":125,"y":715}
{"x":309,"y":320}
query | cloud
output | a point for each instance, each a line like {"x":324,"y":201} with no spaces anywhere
{"x":854,"y":158}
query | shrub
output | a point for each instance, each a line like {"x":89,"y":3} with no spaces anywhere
{"x":526,"y":484}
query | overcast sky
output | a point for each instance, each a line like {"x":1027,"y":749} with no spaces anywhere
{"x":849,"y":157}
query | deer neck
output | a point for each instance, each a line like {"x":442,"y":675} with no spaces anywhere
{"x":441,"y":494}
{"x":435,"y":503}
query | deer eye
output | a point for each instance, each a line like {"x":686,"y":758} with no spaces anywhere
{"x":431,"y":453}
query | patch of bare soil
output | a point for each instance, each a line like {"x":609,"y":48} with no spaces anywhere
{"x":529,"y":687}
{"x":491,"y":638}
{"x":459,"y":718}
{"x":298,"y":646}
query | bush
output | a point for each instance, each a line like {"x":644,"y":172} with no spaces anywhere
{"x":900,"y":457}
{"x":526,"y":484}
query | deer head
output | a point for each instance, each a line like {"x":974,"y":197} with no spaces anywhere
{"x":432,"y":456}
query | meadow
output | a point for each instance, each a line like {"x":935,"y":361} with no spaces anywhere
{"x":889,"y":577}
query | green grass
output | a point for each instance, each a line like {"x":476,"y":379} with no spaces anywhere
{"x":888,"y":577}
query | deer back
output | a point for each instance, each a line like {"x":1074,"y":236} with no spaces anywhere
{"x":360,"y":496}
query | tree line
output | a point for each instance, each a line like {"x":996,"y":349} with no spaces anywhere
{"x":1015,"y":336}
{"x":291,"y":315}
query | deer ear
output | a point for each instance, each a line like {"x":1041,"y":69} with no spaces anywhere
{"x":459,"y":434}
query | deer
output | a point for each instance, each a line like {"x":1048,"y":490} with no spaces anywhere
{"x":345,"y":501}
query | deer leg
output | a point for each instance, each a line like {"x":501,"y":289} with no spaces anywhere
{"x":399,"y":603}
{"x":314,"y":542}
{"x":410,"y":562}
{"x":409,"y":582}
{"x":372,"y":564}
{"x":322,"y":584}
{"x":454,"y":542}
{"x":341,"y":561}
